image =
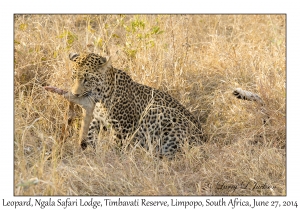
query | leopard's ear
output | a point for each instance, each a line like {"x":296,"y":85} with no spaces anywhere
{"x":106,"y":62}
{"x":73,"y":56}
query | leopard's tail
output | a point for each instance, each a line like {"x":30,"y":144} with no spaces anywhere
{"x":249,"y":96}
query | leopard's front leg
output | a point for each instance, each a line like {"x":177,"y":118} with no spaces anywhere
{"x":87,"y":105}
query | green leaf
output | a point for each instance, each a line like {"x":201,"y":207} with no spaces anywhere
{"x":55,"y":54}
{"x":99,"y":42}
{"x":71,"y":37}
{"x":156,"y":30}
{"x":23,"y":26}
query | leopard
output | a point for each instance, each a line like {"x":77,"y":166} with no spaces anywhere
{"x":137,"y":113}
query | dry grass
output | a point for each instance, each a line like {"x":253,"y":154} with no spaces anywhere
{"x":198,"y":59}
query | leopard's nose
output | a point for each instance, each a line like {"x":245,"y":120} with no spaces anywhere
{"x":75,"y":94}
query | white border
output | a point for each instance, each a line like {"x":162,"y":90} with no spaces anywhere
{"x":154,"y":6}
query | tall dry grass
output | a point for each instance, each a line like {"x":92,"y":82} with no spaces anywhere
{"x":198,"y":59}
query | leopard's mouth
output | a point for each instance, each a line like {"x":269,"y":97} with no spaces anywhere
{"x":84,"y":94}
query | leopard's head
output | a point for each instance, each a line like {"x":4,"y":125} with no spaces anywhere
{"x":88,"y":72}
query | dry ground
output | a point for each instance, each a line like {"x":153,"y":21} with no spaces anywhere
{"x":198,"y":59}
